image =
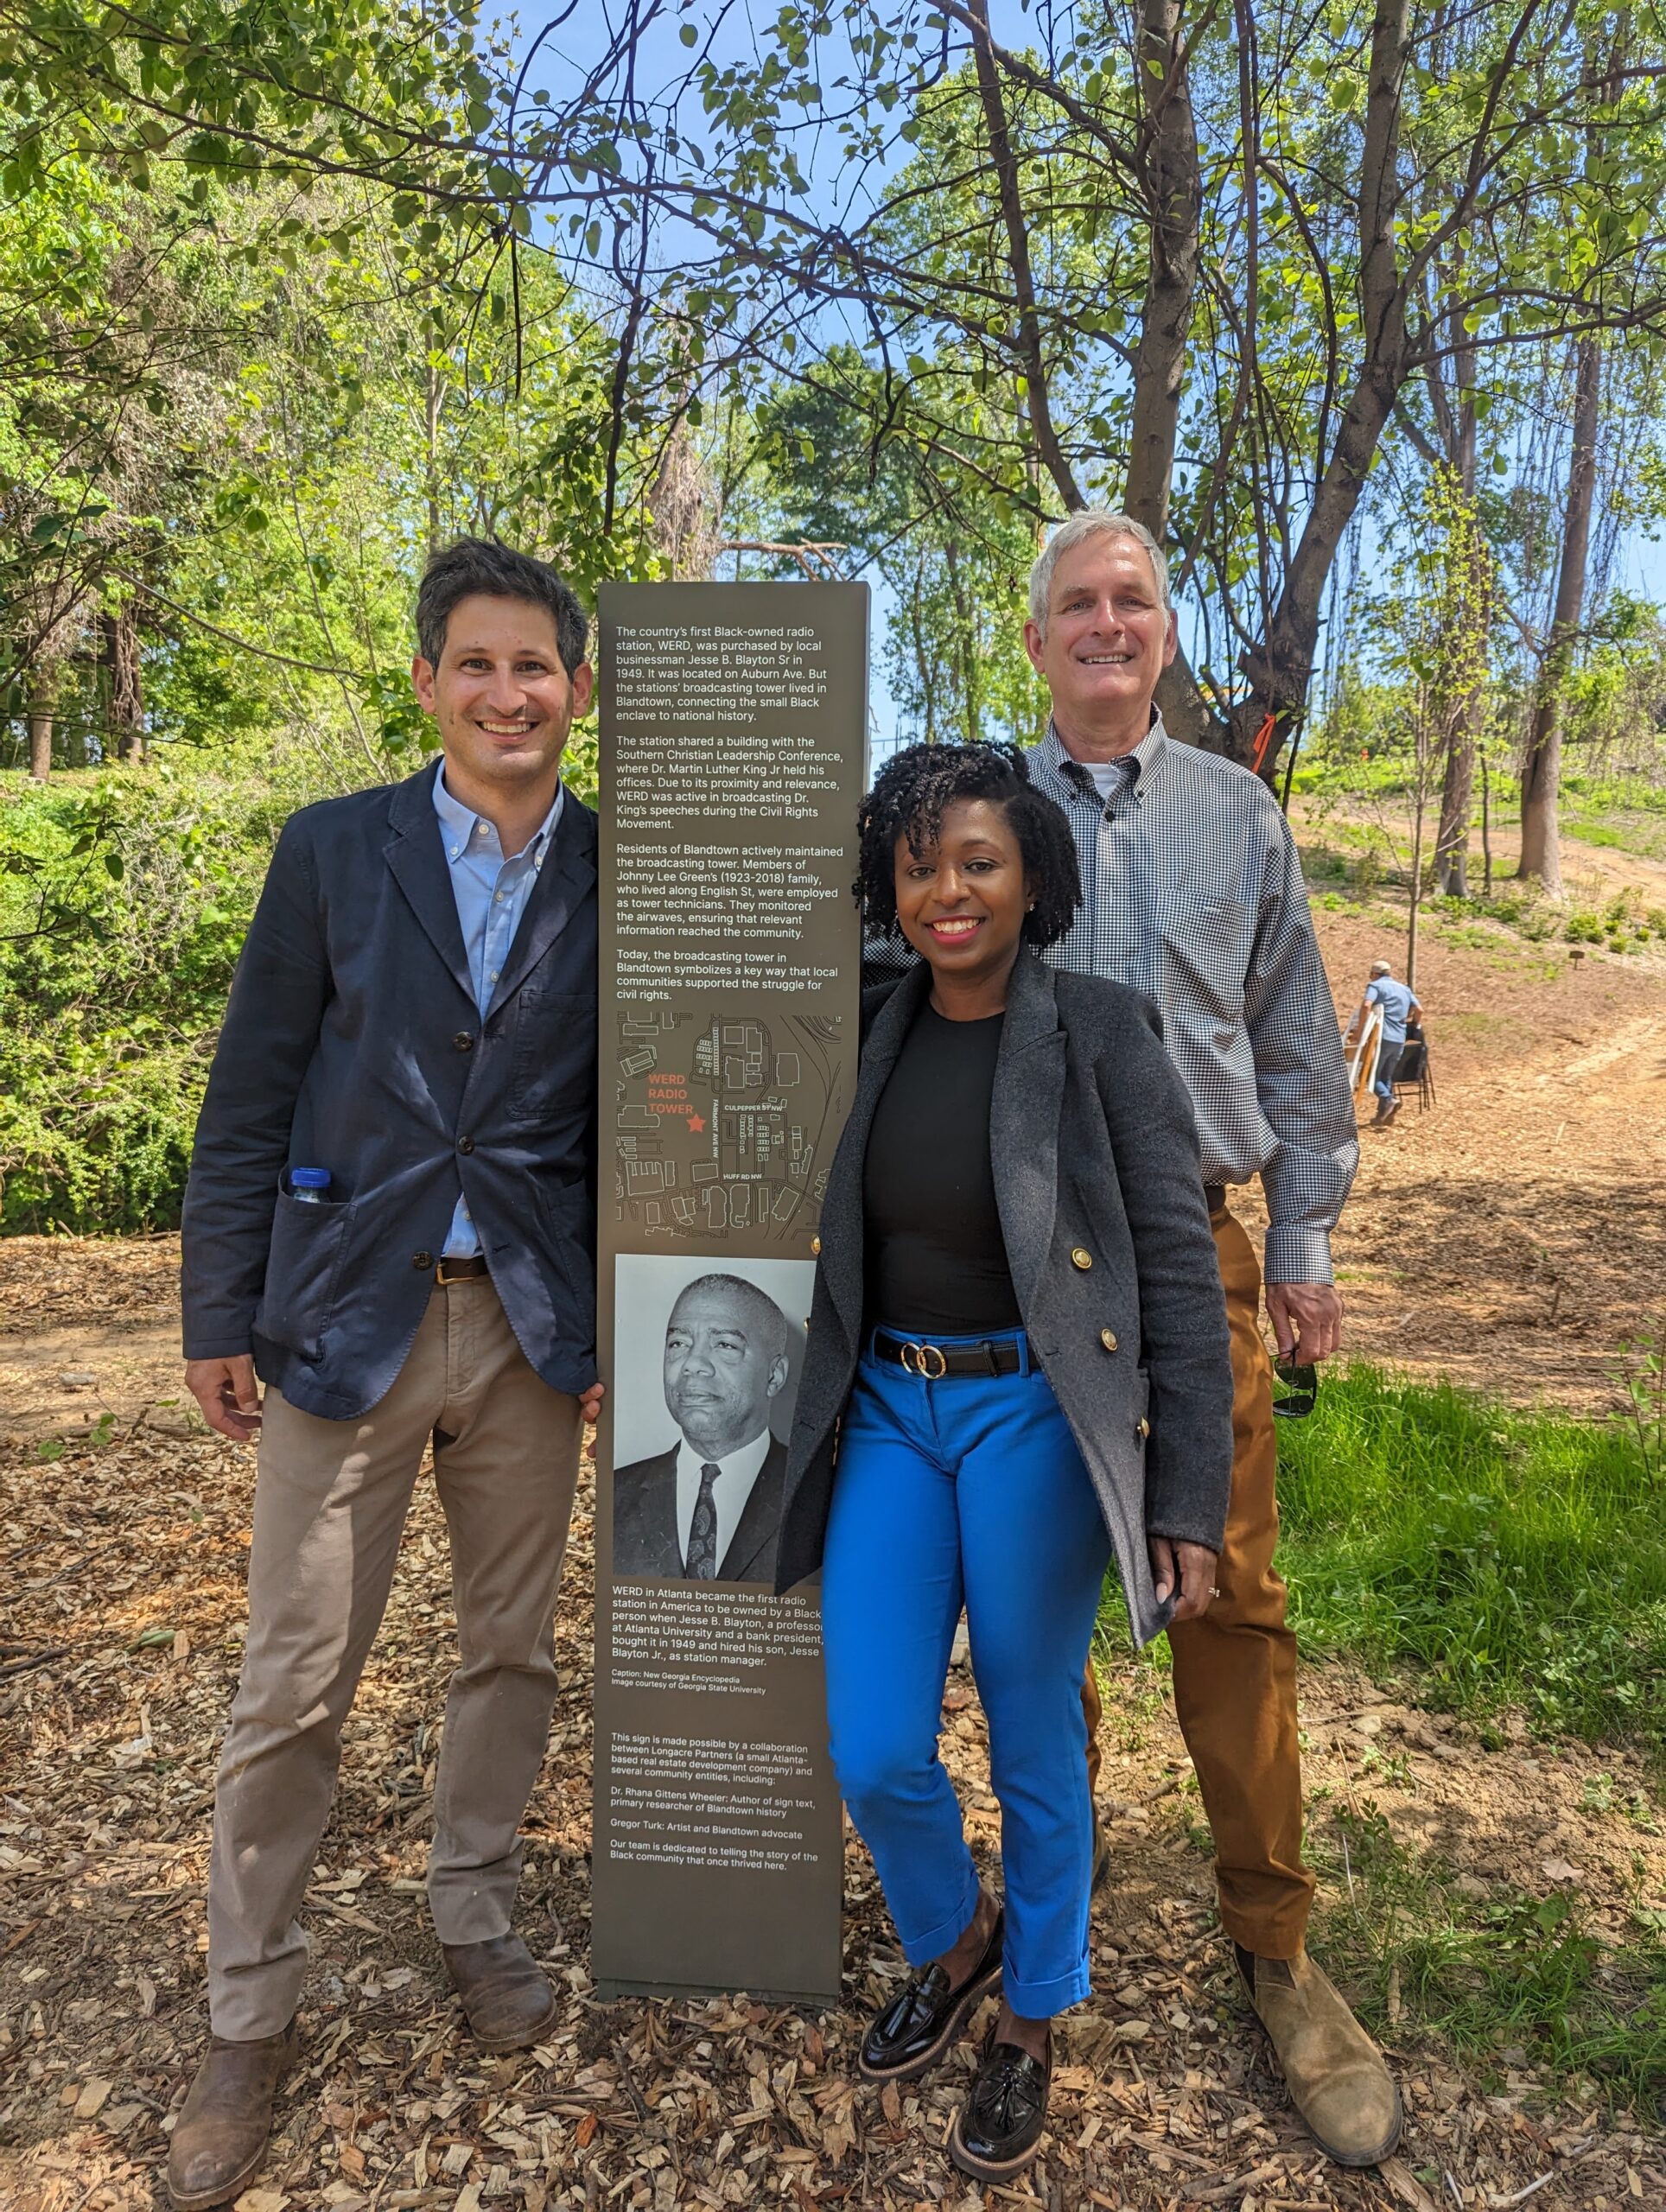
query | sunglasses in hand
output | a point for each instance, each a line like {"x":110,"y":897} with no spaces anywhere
{"x":1301,"y":1381}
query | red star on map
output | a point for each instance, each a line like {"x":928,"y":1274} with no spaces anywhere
{"x":696,"y":1122}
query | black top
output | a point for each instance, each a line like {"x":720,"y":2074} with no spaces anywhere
{"x":936,"y":1257}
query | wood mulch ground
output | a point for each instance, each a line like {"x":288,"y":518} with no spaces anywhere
{"x":1514,"y":1236}
{"x":124,"y":1572}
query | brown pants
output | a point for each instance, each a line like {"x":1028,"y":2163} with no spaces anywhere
{"x":1235,"y":1670}
{"x":330,"y":1504}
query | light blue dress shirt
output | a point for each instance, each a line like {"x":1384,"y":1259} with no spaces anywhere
{"x":491,"y":893}
{"x":1397,"y":1002}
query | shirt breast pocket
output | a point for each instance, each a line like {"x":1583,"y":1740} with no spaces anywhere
{"x":1207,"y":942}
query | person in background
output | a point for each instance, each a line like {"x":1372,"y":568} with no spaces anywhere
{"x":391,"y":1221}
{"x":1017,"y":1371}
{"x":1400,"y":1006}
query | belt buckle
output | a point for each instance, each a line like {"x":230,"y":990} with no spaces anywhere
{"x":923,"y":1353}
{"x":443,"y":1281}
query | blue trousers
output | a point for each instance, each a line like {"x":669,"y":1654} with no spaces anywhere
{"x":971,"y":1491}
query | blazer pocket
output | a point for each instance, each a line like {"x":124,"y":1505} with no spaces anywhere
{"x":308,"y":1244}
{"x":555,"y":1050}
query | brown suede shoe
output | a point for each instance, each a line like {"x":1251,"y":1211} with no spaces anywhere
{"x":1335,"y":2073}
{"x":219,"y":2138}
{"x":508,"y":2002}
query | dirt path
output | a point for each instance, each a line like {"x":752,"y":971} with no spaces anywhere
{"x":1514,"y":1236}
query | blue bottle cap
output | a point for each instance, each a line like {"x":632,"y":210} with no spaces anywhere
{"x":309,"y":1178}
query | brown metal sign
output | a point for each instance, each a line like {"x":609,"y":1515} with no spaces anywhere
{"x":734,"y":740}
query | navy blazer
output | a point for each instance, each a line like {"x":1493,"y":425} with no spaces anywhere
{"x":351,"y":1041}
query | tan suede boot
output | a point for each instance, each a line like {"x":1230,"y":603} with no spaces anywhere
{"x":219,"y":2138}
{"x":1335,"y":2073}
{"x":508,"y":2002}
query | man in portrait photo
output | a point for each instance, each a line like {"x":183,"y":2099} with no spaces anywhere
{"x":709,"y":1506}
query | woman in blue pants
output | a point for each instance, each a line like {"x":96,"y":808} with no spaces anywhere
{"x":1017,"y":1372}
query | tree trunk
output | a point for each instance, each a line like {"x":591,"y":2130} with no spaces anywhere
{"x":1031,"y":356}
{"x":433,"y":400}
{"x":41,"y":710}
{"x":1467,"y":717}
{"x":1187,"y":714}
{"x":122,"y":657}
{"x":1458,"y":798}
{"x":1280,"y":666}
{"x":1416,"y":905}
{"x":1174,"y":194}
{"x":1541,"y":766}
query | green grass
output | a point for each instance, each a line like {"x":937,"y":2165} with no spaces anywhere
{"x":1511,"y":1980}
{"x":1484,"y":1558}
{"x":1645,"y":837}
{"x":1502,"y":1557}
{"x":1491,"y":1557}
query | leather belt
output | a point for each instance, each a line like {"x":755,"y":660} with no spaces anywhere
{"x":932,"y":1362}
{"x":449,"y":1271}
{"x":1214,"y":1196}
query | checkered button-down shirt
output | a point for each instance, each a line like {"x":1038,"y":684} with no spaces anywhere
{"x":1192,"y":893}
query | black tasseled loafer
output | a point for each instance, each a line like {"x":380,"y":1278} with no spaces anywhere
{"x":998,"y":2126}
{"x":917,"y":2026}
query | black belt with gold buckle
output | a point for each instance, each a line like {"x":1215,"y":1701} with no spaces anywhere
{"x":450,"y":1271}
{"x":931,"y":1362}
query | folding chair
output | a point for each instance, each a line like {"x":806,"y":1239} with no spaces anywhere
{"x":1412,"y":1070}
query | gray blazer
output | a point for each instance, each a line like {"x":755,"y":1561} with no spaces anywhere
{"x":1097,"y":1176}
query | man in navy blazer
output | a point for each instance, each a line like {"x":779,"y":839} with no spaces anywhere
{"x":389,"y":1221}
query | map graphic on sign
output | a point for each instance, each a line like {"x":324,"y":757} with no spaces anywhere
{"x":723,"y":1120}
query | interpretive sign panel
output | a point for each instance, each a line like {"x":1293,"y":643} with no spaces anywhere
{"x":734,"y":736}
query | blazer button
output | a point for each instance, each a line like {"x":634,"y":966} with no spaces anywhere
{"x":462,"y":1042}
{"x":1108,"y":1339}
{"x":816,"y":1246}
{"x":423,"y":1260}
{"x":465,"y":1144}
{"x":1142,"y":1427}
{"x":1079,"y":1258}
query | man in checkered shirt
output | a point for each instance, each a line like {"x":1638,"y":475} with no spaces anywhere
{"x":1192,"y":892}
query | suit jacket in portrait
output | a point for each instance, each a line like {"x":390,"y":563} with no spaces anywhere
{"x":644,"y":1521}
{"x":352,"y":1042}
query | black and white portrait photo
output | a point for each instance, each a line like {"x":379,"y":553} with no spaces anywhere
{"x":708,"y":1358}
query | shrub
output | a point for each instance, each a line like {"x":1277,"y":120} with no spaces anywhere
{"x":123,"y":900}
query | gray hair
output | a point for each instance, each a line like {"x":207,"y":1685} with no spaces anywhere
{"x":1076,"y":529}
{"x":767,"y":1316}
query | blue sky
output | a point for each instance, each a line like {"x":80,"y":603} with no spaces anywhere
{"x":661,"y":58}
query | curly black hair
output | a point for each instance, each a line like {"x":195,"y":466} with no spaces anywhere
{"x":908,"y":798}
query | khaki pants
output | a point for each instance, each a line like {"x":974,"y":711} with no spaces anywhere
{"x":1235,"y":1670}
{"x":330,"y":1503}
